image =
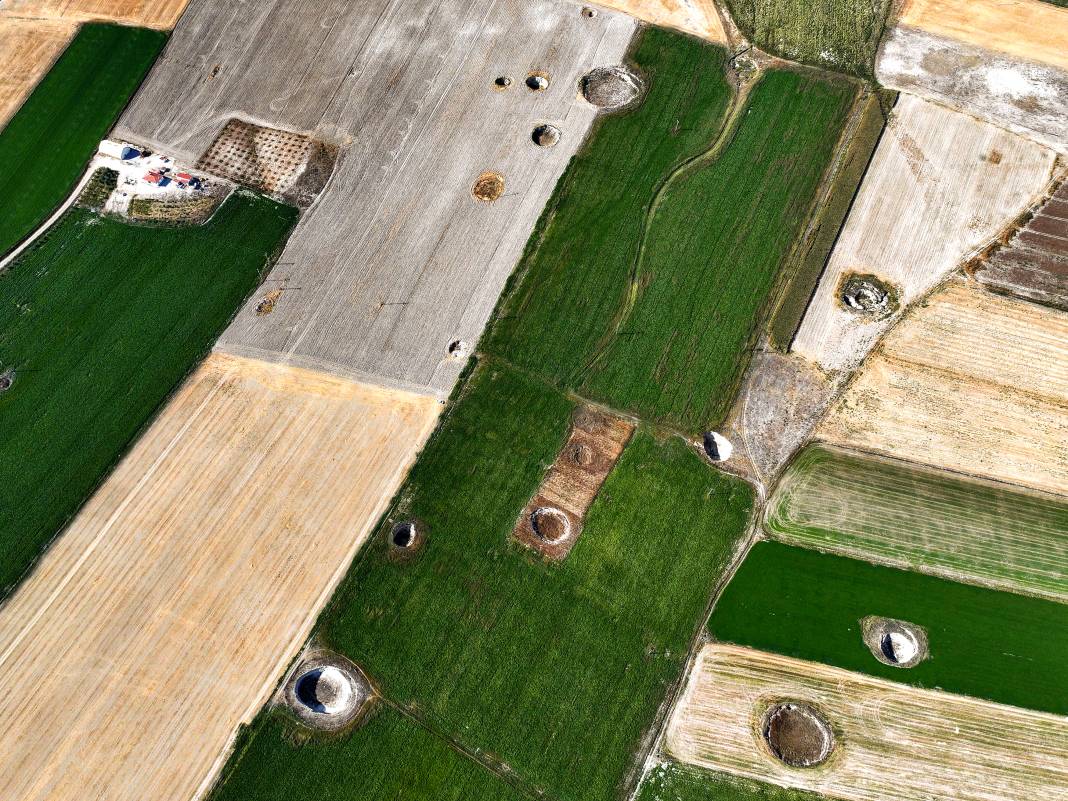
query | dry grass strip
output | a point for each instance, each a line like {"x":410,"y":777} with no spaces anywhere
{"x":166,"y":613}
{"x":894,"y":743}
{"x":1029,"y":29}
{"x":162,"y":14}
{"x":941,"y":184}
{"x":28,"y":48}
{"x":971,"y":382}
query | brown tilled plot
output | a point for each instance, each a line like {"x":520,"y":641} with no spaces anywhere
{"x":891,"y":742}
{"x":971,"y":382}
{"x":1034,"y":263}
{"x":698,"y":17}
{"x":552,"y":521}
{"x":28,"y":48}
{"x":167,"y":612}
{"x":161,"y":14}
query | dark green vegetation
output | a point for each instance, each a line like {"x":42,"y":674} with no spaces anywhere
{"x":45,"y":147}
{"x":556,"y":671}
{"x":674,"y":782}
{"x":983,"y":643}
{"x":100,"y":186}
{"x":842,"y":35}
{"x":99,"y":321}
{"x":650,"y":273}
{"x":391,"y":757}
{"x":814,"y":249}
{"x":924,"y":519}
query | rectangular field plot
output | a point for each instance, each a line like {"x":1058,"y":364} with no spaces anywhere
{"x":971,"y":382}
{"x":166,"y":613}
{"x":28,"y":48}
{"x":900,"y":514}
{"x":671,"y":781}
{"x":396,"y":260}
{"x":100,"y":320}
{"x":45,"y":147}
{"x":161,"y":14}
{"x":810,"y":605}
{"x":698,"y":17}
{"x":555,"y":670}
{"x":649,"y":278}
{"x":941,"y":185}
{"x":891,"y":742}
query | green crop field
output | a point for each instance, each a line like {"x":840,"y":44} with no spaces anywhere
{"x":842,"y":35}
{"x":646,"y":283}
{"x":994,"y":645}
{"x":673,"y":782}
{"x":556,"y":671}
{"x":390,"y":757}
{"x":45,"y":147}
{"x":100,"y":320}
{"x":923,"y":519}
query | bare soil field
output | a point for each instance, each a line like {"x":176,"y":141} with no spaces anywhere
{"x":395,"y":261}
{"x":1028,"y":29}
{"x":941,"y":185}
{"x":169,"y":609}
{"x":28,"y":49}
{"x":552,"y":522}
{"x":1034,"y":263}
{"x":972,"y":382}
{"x":890,"y":742}
{"x":698,"y":17}
{"x":161,"y":14}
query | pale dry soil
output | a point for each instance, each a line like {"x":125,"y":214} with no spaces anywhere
{"x":971,"y":382}
{"x":28,"y":48}
{"x":941,"y":185}
{"x":698,"y":17}
{"x":168,"y":610}
{"x":894,"y":742}
{"x":162,"y":14}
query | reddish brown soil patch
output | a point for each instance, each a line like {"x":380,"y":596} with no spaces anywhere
{"x":552,"y":521}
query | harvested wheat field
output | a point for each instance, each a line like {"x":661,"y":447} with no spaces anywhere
{"x":1029,"y":29}
{"x":27,"y":50}
{"x":161,"y":14}
{"x":166,"y":613}
{"x":941,"y":185}
{"x":971,"y":382}
{"x":887,"y":742}
{"x":698,"y":17}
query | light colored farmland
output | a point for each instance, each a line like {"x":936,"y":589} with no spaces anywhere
{"x":941,"y":184}
{"x":396,"y":260}
{"x":971,"y":382}
{"x":698,"y":17}
{"x":28,"y":48}
{"x":894,"y":742}
{"x":1029,"y":29}
{"x":161,"y":14}
{"x":904,"y":515}
{"x":166,"y":613}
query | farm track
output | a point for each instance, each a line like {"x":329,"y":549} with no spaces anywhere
{"x":895,"y":743}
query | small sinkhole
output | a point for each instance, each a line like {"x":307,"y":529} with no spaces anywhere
{"x":537,"y":82}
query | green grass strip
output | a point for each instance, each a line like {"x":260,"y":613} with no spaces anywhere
{"x":47,"y":144}
{"x":657,"y":316}
{"x":673,"y":782}
{"x":100,"y":320}
{"x":987,"y":644}
{"x":923,"y":519}
{"x":391,"y":757}
{"x":840,"y":35}
{"x":556,"y":670}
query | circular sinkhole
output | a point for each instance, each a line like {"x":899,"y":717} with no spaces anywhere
{"x":589,"y":13}
{"x":545,"y":135}
{"x":897,"y":643}
{"x":403,"y":535}
{"x":581,"y":454}
{"x":550,"y":524}
{"x":327,"y":691}
{"x":537,"y":81}
{"x":716,"y":446}
{"x":867,"y":295}
{"x":458,"y":349}
{"x":797,"y":734}
{"x":7,"y":378}
{"x":488,"y":187}
{"x":611,"y":87}
{"x":502,"y":82}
